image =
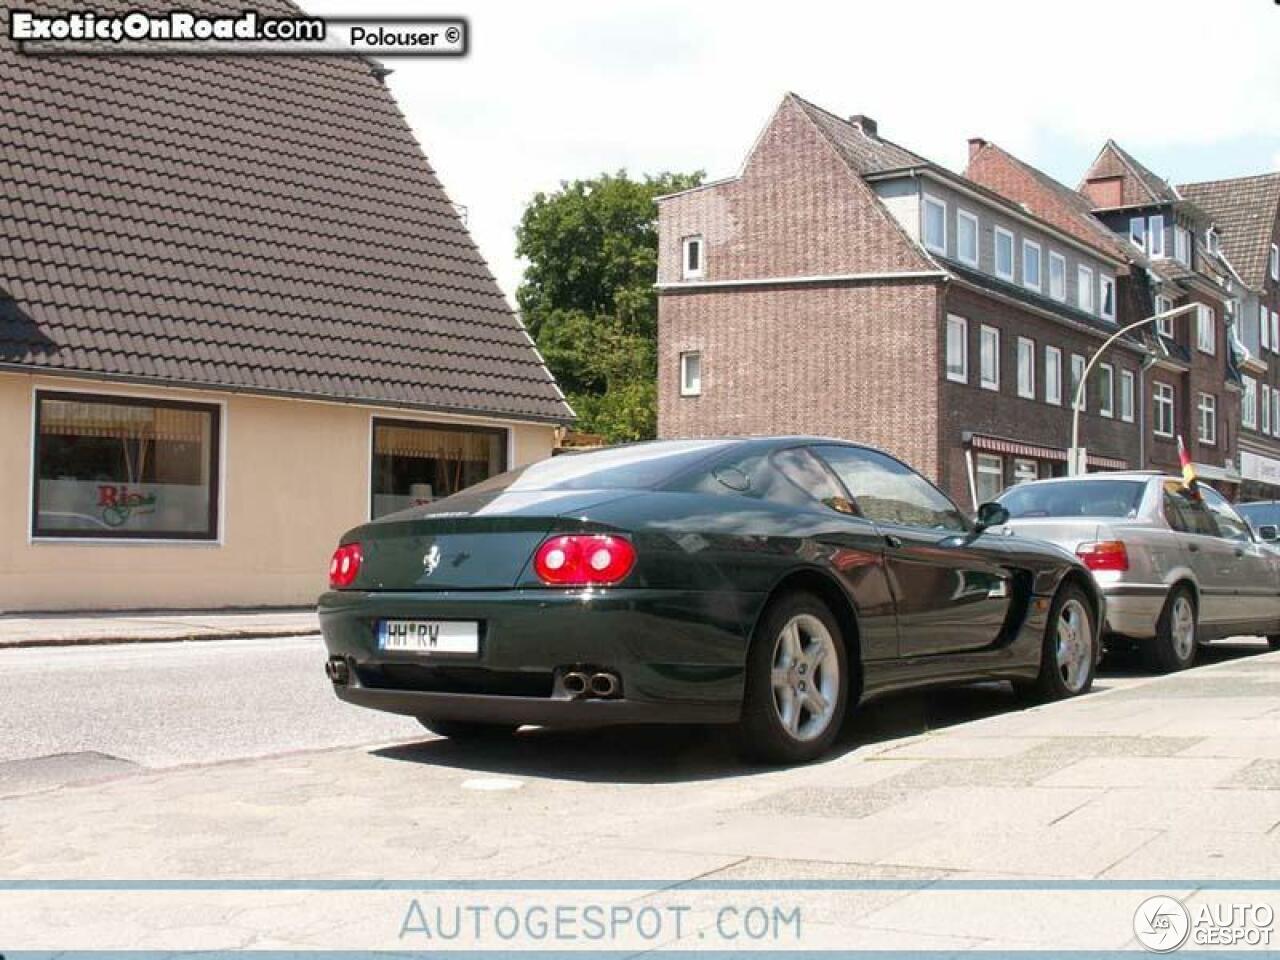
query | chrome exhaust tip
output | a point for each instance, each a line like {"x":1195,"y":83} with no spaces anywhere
{"x":576,"y":683}
{"x":604,"y":684}
{"x":337,"y":671}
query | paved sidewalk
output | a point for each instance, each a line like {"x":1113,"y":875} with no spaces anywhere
{"x":57,"y":630}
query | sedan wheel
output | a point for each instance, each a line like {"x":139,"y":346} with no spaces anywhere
{"x":1075,"y":645}
{"x":797,"y":683}
{"x":1174,"y":645}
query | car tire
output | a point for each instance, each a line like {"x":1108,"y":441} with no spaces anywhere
{"x":468,"y":730}
{"x":1273,"y":641}
{"x":797,"y":683}
{"x":1173,"y":647}
{"x":1069,"y":651}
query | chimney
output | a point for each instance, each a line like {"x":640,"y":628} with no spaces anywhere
{"x":864,"y":123}
{"x":975,"y":144}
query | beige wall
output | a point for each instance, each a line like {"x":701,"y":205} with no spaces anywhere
{"x":295,"y":476}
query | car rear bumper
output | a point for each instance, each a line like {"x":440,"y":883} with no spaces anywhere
{"x":1133,"y":609}
{"x":679,"y":655}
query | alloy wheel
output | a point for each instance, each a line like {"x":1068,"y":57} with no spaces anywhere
{"x":805,"y":677}
{"x":1075,"y":645}
{"x":1183,"y":628}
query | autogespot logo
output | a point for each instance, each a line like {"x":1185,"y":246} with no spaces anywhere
{"x":1161,"y":924}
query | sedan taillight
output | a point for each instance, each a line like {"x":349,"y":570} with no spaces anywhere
{"x":1104,"y":555}
{"x":345,"y":565}
{"x":584,"y":560}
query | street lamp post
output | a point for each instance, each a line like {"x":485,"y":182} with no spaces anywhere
{"x":1075,"y":461}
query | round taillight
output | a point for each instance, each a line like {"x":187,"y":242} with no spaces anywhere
{"x":584,"y":560}
{"x":345,"y":565}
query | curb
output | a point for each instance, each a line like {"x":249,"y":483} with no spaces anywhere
{"x":196,"y":636}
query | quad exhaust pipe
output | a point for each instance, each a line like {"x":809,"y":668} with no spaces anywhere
{"x":601,"y":683}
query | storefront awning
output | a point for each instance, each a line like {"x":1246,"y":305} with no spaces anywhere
{"x":1016,"y":448}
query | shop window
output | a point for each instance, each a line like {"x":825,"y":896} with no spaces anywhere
{"x":416,"y":463}
{"x":125,"y":468}
{"x":989,"y":478}
{"x":1024,"y":471}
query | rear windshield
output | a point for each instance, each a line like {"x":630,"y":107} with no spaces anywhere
{"x":1081,"y":498}
{"x":638,"y":466}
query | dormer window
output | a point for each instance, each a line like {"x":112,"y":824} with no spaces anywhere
{"x":1211,"y":240}
{"x":691,"y":257}
{"x":935,"y":224}
{"x":1275,"y":262}
{"x":1107,"y":297}
{"x":1182,"y":245}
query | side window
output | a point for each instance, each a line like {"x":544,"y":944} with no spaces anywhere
{"x":1186,"y":513}
{"x":887,"y":491}
{"x":807,"y":473}
{"x":1228,"y":521}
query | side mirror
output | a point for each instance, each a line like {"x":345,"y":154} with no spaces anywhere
{"x":991,"y":515}
{"x":1269,"y":532}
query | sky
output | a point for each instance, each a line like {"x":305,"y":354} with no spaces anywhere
{"x":556,"y":90}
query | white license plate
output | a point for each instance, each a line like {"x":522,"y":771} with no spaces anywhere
{"x":430,"y":636}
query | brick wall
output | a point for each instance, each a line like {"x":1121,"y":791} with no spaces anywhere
{"x":855,"y":361}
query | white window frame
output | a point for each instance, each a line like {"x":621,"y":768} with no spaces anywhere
{"x":955,"y":322}
{"x":1026,"y":368}
{"x":1164,"y":326}
{"x":1182,"y":245}
{"x":1084,"y":289}
{"x":928,"y":200}
{"x":1275,"y":332}
{"x":685,"y":244}
{"x":1212,"y":242}
{"x":991,"y":465}
{"x":1264,"y":326}
{"x":1025,"y":471}
{"x":1275,"y":261}
{"x":1206,"y":322}
{"x":1249,"y":403}
{"x":1207,"y":415}
{"x":1078,"y":367}
{"x":690,"y":386}
{"x":1000,"y":233}
{"x":1275,"y":412}
{"x":1265,"y":407}
{"x":1027,"y":245}
{"x":1053,"y":375}
{"x":1107,"y":378}
{"x":989,"y":382}
{"x":1138,"y":232}
{"x":1155,"y":236}
{"x":1106,"y":282}
{"x":1127,"y":395}
{"x":964,"y":216}
{"x":1162,"y":398}
{"x":1061,"y":293}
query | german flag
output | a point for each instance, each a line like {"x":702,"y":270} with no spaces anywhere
{"x":1189,"y":479}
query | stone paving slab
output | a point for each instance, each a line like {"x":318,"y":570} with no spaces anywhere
{"x":56,"y":630}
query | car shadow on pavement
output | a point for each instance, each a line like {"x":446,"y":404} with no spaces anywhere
{"x":671,"y":754}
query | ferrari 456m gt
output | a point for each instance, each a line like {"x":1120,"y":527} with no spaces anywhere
{"x":767,"y":583}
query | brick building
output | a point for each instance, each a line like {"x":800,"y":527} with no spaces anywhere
{"x":841,"y":284}
{"x":1246,"y":211}
{"x":1196,"y":384}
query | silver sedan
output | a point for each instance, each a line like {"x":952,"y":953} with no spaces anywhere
{"x":1178,"y":566}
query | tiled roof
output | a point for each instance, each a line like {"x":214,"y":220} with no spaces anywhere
{"x":1155,"y":189}
{"x":1055,"y":202}
{"x":865,"y":154}
{"x":263,"y":224}
{"x":1244,"y":208}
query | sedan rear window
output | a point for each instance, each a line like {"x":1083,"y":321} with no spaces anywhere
{"x":639,"y":466}
{"x":1078,"y":498}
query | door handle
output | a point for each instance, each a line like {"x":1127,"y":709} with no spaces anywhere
{"x":1193,"y":547}
{"x":892,"y":540}
{"x":1239,"y":551}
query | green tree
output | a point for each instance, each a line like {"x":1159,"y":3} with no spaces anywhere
{"x":587,"y":295}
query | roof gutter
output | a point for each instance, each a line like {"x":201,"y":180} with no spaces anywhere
{"x":958,"y":184}
{"x":811,"y":280}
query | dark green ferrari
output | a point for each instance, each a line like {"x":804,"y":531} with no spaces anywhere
{"x":767,"y":583}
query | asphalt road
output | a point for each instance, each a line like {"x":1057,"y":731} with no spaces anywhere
{"x":169,"y":704}
{"x":71,"y":714}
